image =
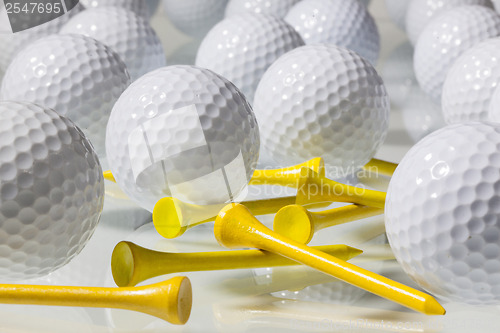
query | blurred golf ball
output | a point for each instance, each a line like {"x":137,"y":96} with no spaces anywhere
{"x":12,"y":43}
{"x":185,"y":132}
{"x":344,"y":23}
{"x":139,"y":7}
{"x":446,"y":38}
{"x":470,"y":83}
{"x":193,"y":17}
{"x":75,"y":75}
{"x":442,"y":213}
{"x":278,"y":8}
{"x":242,"y":47}
{"x":51,"y":190}
{"x":420,"y":13}
{"x":129,"y":35}
{"x":322,"y":100}
{"x":494,"y":107}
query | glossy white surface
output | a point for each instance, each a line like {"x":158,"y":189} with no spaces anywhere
{"x":278,"y":8}
{"x":126,"y":33}
{"x":75,"y":75}
{"x":51,"y":190}
{"x":446,"y":38}
{"x":344,"y":23}
{"x":471,"y":82}
{"x":322,"y":100}
{"x":185,"y":132}
{"x":442,"y":213}
{"x":241,"y":48}
{"x":421,"y":12}
{"x":139,"y":7}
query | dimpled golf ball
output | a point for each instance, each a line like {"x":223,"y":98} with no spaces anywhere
{"x":421,"y":12}
{"x":127,"y":34}
{"x":344,"y":23}
{"x":494,"y":108}
{"x":278,"y":8}
{"x":183,"y":132}
{"x":51,"y":190}
{"x":13,"y":43}
{"x":139,"y":7}
{"x":397,"y":11}
{"x":241,"y":48}
{"x":322,"y":100}
{"x":446,"y":38}
{"x":443,"y":213}
{"x":470,"y":83}
{"x":75,"y":75}
{"x":194,"y":17}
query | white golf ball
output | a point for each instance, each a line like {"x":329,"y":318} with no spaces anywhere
{"x":397,"y":11}
{"x":494,"y":108}
{"x":12,"y":43}
{"x":51,"y":190}
{"x":446,"y":38}
{"x":496,"y":4}
{"x":344,"y":23}
{"x":139,"y":7}
{"x":242,"y":47}
{"x":470,"y":83}
{"x":278,"y":8}
{"x":127,"y":34}
{"x":322,"y":100}
{"x":194,"y":17}
{"x":443,"y":213}
{"x":421,"y":12}
{"x":75,"y":75}
{"x":185,"y":132}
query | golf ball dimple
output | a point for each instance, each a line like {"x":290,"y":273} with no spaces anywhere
{"x":185,"y":132}
{"x":442,"y":213}
{"x":494,"y":107}
{"x":278,"y":8}
{"x":420,"y":13}
{"x":51,"y":190}
{"x":13,"y":43}
{"x":322,"y":100}
{"x":126,"y":33}
{"x":194,"y":17}
{"x":241,"y":48}
{"x":446,"y":38}
{"x":470,"y":83}
{"x":75,"y":75}
{"x":345,"y":23}
{"x":139,"y":7}
{"x":397,"y":11}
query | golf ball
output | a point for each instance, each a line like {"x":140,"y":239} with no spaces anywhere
{"x":420,"y":13}
{"x":397,"y":11}
{"x":185,"y":132}
{"x":278,"y":8}
{"x":443,"y":213}
{"x":75,"y":75}
{"x":344,"y":23}
{"x":152,"y":6}
{"x":51,"y":190}
{"x":242,"y":47}
{"x":322,"y":100}
{"x":470,"y":83}
{"x":127,"y":34}
{"x":494,"y":108}
{"x":138,"y":7}
{"x":195,"y":17}
{"x":446,"y":38}
{"x":13,"y":43}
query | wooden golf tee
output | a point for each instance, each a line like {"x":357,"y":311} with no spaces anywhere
{"x":299,"y":224}
{"x":172,"y":217}
{"x":169,"y":300}
{"x":381,"y":167}
{"x":236,"y":227}
{"x":132,"y":264}
{"x":314,"y":187}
